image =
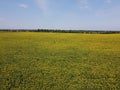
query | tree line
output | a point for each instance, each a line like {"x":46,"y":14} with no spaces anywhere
{"x":62,"y":31}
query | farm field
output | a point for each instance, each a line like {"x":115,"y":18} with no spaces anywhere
{"x":59,"y":61}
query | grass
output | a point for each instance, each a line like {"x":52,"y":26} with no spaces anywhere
{"x":59,"y":61}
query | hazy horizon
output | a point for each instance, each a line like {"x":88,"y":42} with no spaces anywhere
{"x":60,"y":14}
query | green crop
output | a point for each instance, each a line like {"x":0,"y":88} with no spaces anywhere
{"x":59,"y":61}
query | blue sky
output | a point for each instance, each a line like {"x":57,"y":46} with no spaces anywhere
{"x":60,"y":14}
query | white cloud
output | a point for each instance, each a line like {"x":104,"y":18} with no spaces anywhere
{"x":108,"y":17}
{"x":43,"y":5}
{"x":2,"y":19}
{"x":3,"y":23}
{"x":101,"y":13}
{"x":83,"y":4}
{"x":23,"y":5}
{"x":108,"y":1}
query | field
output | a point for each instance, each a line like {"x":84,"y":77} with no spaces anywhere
{"x":59,"y":61}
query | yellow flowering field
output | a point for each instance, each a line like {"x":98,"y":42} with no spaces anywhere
{"x":59,"y":61}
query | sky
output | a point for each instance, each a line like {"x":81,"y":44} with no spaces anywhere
{"x":60,"y":14}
